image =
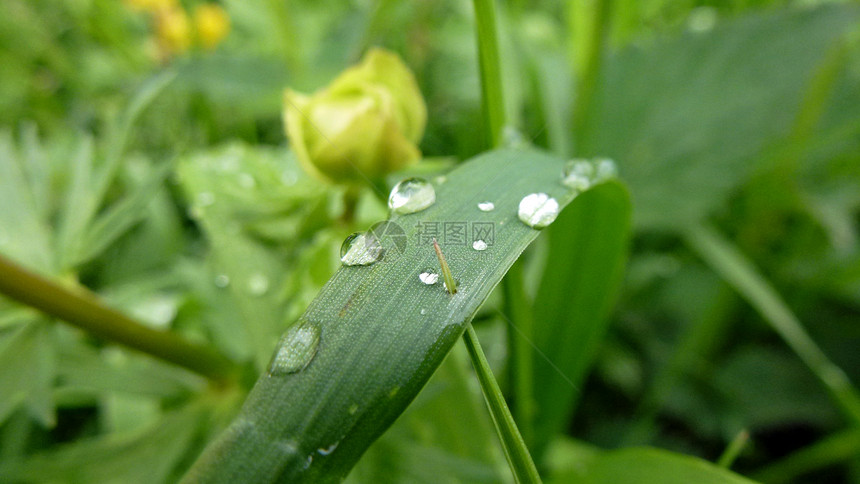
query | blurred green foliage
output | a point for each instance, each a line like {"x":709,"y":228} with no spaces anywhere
{"x":165,"y":186}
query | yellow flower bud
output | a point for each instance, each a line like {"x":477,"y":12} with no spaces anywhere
{"x":173,"y":30}
{"x":211,"y":23}
{"x":365,"y":124}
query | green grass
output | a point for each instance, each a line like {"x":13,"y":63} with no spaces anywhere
{"x":692,"y":321}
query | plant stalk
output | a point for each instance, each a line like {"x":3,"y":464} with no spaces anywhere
{"x":519,"y":459}
{"x":492,"y":98}
{"x":83,"y":309}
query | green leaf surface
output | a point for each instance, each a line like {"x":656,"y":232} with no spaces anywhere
{"x":686,"y":118}
{"x":382,"y":332}
{"x":585,"y":262}
{"x":144,"y":457}
{"x":27,"y":372}
{"x":647,"y":466}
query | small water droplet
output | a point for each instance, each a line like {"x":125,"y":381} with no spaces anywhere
{"x":296,"y":348}
{"x":353,"y":408}
{"x":360,"y":249}
{"x":538,"y":210}
{"x":393,"y":392}
{"x":423,"y":311}
{"x":205,"y":199}
{"x":258,"y":284}
{"x":479,"y":245}
{"x":247,"y":181}
{"x":289,"y":178}
{"x":441,"y":179}
{"x":222,"y":280}
{"x":577,"y":174}
{"x":606,"y":170}
{"x":328,"y":450}
{"x":486,"y":206}
{"x":309,"y":461}
{"x":411,"y":195}
{"x":428,"y":277}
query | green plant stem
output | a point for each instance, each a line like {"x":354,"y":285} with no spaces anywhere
{"x":730,"y":263}
{"x":589,"y":58}
{"x":522,"y":466}
{"x":518,"y":309}
{"x":492,"y":98}
{"x":734,"y":449}
{"x":833,"y":449}
{"x":83,"y":309}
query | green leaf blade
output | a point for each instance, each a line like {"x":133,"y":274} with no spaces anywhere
{"x":383,"y":333}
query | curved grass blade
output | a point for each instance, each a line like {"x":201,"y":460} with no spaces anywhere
{"x":587,"y":251}
{"x":381,"y":331}
{"x":741,"y":274}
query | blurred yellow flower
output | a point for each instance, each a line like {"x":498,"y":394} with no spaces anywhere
{"x":151,"y":5}
{"x":173,"y":30}
{"x":211,"y":23}
{"x":365,"y":124}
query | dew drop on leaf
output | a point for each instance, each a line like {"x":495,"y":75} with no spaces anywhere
{"x":222,"y":280}
{"x":360,"y":249}
{"x":486,"y":206}
{"x":538,"y":210}
{"x":258,"y":284}
{"x":428,"y":277}
{"x":296,"y":348}
{"x":328,"y":450}
{"x":577,"y":174}
{"x":606,"y":170}
{"x":479,"y":245}
{"x":411,"y":195}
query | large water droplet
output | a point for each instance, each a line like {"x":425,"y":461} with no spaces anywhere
{"x":360,"y":249}
{"x":486,"y":206}
{"x":258,"y":284}
{"x":428,"y":277}
{"x":577,"y":174}
{"x":222,"y":280}
{"x":411,"y":195}
{"x":296,"y":348}
{"x":538,"y":210}
{"x":479,"y":245}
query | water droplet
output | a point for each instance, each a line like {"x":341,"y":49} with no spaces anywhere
{"x":479,"y":245}
{"x":309,"y":461}
{"x":538,"y":210}
{"x":353,"y":408}
{"x":606,"y":170}
{"x":222,"y":280}
{"x":328,"y":450}
{"x":258,"y":284}
{"x":577,"y":174}
{"x":360,"y":249}
{"x":486,"y":206}
{"x":289,"y":178}
{"x":411,"y":195}
{"x":205,"y":199}
{"x":702,"y":19}
{"x":393,"y":392}
{"x":513,"y":138}
{"x":423,"y":311}
{"x":439,"y":180}
{"x":428,"y":277}
{"x":247,"y":181}
{"x":296,"y":348}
